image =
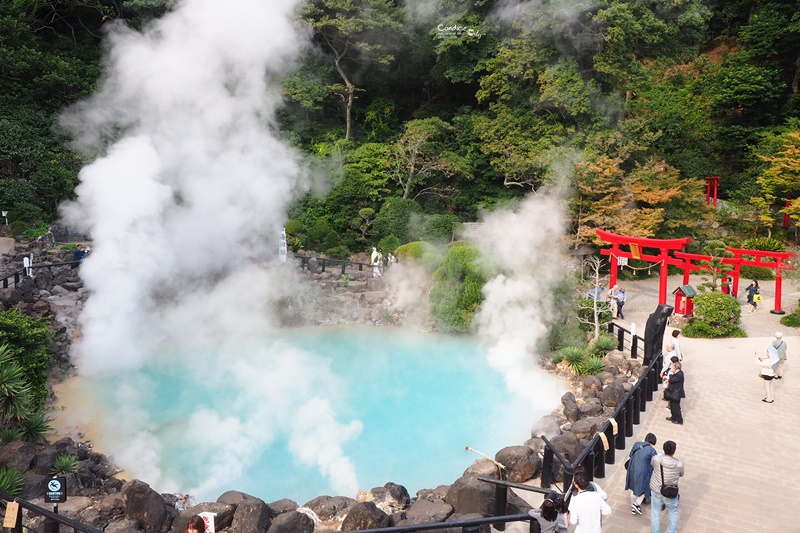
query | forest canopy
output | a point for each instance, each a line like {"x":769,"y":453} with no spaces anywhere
{"x":422,"y":114}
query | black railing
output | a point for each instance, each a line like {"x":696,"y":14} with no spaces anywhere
{"x":52,"y":520}
{"x":467,"y":526}
{"x":22,"y":273}
{"x":323,"y":262}
{"x":609,"y":437}
{"x":626,"y":341}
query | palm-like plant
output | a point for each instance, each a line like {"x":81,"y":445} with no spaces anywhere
{"x":10,"y":480}
{"x":9,"y":434}
{"x":64,"y":463}
{"x":35,"y":427}
{"x":14,"y":389}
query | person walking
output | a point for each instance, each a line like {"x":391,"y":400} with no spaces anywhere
{"x":676,"y":344}
{"x":767,"y":374}
{"x":546,"y":515}
{"x":780,"y":345}
{"x":753,"y":296}
{"x":674,"y":392}
{"x":611,"y":298}
{"x":587,"y":508}
{"x":637,"y":480}
{"x":621,"y":299}
{"x":667,"y":471}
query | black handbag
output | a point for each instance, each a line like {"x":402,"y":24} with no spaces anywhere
{"x":667,"y":491}
{"x":672,"y":395}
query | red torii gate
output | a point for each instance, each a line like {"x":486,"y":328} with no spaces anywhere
{"x":684,"y":261}
{"x":637,"y":244}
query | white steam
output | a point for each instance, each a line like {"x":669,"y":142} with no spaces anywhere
{"x":525,"y":244}
{"x":184,"y":203}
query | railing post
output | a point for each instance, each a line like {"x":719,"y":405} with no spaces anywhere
{"x":536,"y":527}
{"x":322,"y":262}
{"x":611,"y":327}
{"x":648,"y":389}
{"x":634,"y":347}
{"x":361,"y":267}
{"x":500,"y":501}
{"x":629,"y":410}
{"x":344,"y":266}
{"x":621,"y":339}
{"x":620,"y":440}
{"x":547,"y":468}
{"x":599,"y":460}
{"x":637,"y":401}
{"x":610,"y":455}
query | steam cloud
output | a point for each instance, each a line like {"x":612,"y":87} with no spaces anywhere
{"x":184,"y":201}
{"x":524,"y":243}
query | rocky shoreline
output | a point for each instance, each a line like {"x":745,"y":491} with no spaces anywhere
{"x":98,"y":498}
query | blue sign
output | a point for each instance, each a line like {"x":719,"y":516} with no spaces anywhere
{"x":56,"y":490}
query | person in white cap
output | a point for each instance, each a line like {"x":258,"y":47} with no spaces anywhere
{"x":780,"y":345}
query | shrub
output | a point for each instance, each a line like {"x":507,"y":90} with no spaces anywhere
{"x":36,"y":231}
{"x":338,"y":252}
{"x":791,"y":321}
{"x":389,"y":244}
{"x":760,"y":273}
{"x":716,"y":315}
{"x":69,"y":247}
{"x":395,"y":218}
{"x":456,"y":291}
{"x":594,"y":365}
{"x":603,"y":345}
{"x":10,"y":480}
{"x":64,"y":463}
{"x":764,"y":243}
{"x":439,"y":228}
{"x":18,"y":227}
{"x":563,"y":334}
{"x":422,"y":252}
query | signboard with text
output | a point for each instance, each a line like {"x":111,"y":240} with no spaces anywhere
{"x":56,"y":491}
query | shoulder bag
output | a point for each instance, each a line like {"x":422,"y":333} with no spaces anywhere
{"x":667,"y":491}
{"x":672,"y":395}
{"x":634,"y":453}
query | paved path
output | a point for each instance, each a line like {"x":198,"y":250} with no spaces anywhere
{"x":742,"y":456}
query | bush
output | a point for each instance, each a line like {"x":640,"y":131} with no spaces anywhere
{"x":764,"y":243}
{"x":439,"y":229}
{"x":716,"y":315}
{"x":10,"y":480}
{"x":594,"y":365}
{"x":9,"y":434}
{"x":791,"y":321}
{"x":395,"y":218}
{"x":422,"y":252}
{"x":562,"y":334}
{"x":69,"y":247}
{"x":603,"y":345}
{"x":64,"y":463}
{"x":18,"y":227}
{"x":760,"y":273}
{"x":456,"y":291}
{"x":36,"y":231}
{"x":338,"y":252}
{"x":389,"y":244}
{"x":35,"y":427}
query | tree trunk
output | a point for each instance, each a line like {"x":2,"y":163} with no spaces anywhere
{"x":351,"y":95}
{"x":796,"y":77}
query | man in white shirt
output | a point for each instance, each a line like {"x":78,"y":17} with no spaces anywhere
{"x":587,"y":508}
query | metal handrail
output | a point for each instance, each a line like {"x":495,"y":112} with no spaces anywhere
{"x":467,"y":526}
{"x":74,"y":524}
{"x":323,"y":261}
{"x":23,"y":272}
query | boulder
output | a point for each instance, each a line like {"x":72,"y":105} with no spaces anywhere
{"x":536,"y":444}
{"x":291,"y":522}
{"x":584,"y":428}
{"x":145,"y":505}
{"x":548,"y":426}
{"x":483,"y":467}
{"x":329,"y":507}
{"x":364,"y":515}
{"x":521,"y":463}
{"x":427,"y":512}
{"x":592,"y":382}
{"x":432,"y":495}
{"x":571,"y":411}
{"x":613,"y":394}
{"x":591,"y":407}
{"x":390,"y":498}
{"x":468,"y":494}
{"x":568,"y":445}
{"x":251,"y":516}
{"x":282,"y":506}
{"x":18,"y":455}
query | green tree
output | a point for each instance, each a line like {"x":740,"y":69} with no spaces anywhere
{"x":350,"y":30}
{"x":399,"y":217}
{"x":780,"y":182}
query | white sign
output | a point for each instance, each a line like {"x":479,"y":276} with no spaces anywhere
{"x":208,"y":518}
{"x":282,"y":247}
{"x":622,"y":261}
